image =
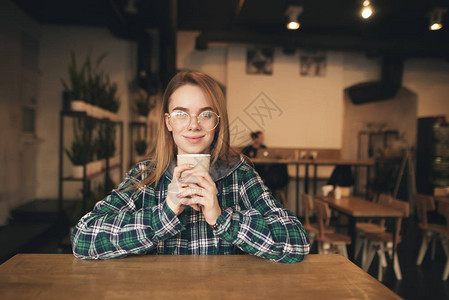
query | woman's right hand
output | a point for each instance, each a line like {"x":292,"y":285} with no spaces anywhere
{"x":175,"y":188}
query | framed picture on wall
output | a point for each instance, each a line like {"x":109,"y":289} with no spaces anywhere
{"x":259,"y":61}
{"x":312,"y":63}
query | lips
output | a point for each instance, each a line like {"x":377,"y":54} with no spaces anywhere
{"x":194,"y":139}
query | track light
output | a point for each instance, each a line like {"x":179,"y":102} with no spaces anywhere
{"x":293,"y":13}
{"x":367,"y":9}
{"x":436,"y":16}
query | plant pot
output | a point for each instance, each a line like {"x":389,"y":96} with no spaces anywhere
{"x":112,"y":116}
{"x":97,"y":112}
{"x":98,"y":166}
{"x":78,"y":105}
{"x":142,"y":119}
{"x":113,"y":161}
{"x":90,"y":168}
{"x":77,"y":172}
{"x":89,"y":109}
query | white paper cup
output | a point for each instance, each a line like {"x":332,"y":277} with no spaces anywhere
{"x":327,"y":189}
{"x":200,"y":162}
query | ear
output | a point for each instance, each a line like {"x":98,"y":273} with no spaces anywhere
{"x":167,"y":123}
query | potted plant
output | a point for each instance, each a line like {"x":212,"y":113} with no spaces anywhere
{"x":78,"y":156}
{"x":90,"y":89}
{"x":76,"y":88}
{"x":143,"y":105}
{"x":105,"y":143}
{"x":81,"y":152}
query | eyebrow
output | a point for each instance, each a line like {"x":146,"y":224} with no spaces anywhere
{"x":186,"y":109}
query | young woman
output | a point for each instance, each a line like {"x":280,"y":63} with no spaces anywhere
{"x":226,"y":211}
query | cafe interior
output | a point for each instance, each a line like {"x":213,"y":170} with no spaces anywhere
{"x":351,"y":98}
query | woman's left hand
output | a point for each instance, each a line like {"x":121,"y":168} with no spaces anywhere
{"x":201,"y":191}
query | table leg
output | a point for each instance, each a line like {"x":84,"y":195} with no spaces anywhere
{"x":297,"y":190}
{"x":315,"y":170}
{"x":356,"y":181}
{"x":368,"y":182}
{"x":306,"y":180}
{"x":353,"y":234}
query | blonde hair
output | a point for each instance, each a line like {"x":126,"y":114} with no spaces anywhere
{"x":165,"y":149}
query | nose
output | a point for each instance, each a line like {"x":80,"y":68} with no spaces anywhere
{"x":194,"y":122}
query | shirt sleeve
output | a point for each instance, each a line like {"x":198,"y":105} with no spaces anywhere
{"x":117,"y":227}
{"x":265,"y":229}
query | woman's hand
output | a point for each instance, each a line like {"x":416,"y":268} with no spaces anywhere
{"x":175,"y":188}
{"x":201,"y":190}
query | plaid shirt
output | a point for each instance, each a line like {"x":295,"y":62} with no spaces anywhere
{"x":140,"y":222}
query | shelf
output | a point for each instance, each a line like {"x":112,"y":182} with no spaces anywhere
{"x":90,"y":176}
{"x":83,"y":114}
{"x":86,"y":180}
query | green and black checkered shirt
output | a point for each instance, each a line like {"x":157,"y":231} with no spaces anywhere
{"x":140,"y":222}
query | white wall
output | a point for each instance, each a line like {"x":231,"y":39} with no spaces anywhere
{"x":56,"y":45}
{"x":306,"y":111}
{"x":301,"y":104}
{"x":212,"y":61}
{"x":429,"y":79}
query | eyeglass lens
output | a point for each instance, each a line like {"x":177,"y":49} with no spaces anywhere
{"x":208,"y":120}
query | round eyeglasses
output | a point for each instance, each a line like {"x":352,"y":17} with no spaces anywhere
{"x":208,"y":120}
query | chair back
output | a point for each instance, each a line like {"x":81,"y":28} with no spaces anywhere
{"x":443,"y":209}
{"x":438,"y":191}
{"x":404,"y":207}
{"x":307,"y":202}
{"x":424,"y":203}
{"x":400,"y":205}
{"x":384,"y":199}
{"x":323,"y":214}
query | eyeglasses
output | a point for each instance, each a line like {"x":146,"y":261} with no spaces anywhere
{"x":208,"y":120}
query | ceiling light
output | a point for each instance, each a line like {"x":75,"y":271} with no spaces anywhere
{"x":367,"y":9}
{"x":436,"y":16}
{"x":293,"y":13}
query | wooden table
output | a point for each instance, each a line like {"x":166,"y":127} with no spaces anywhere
{"x":315,"y":163}
{"x":62,"y":276}
{"x":356,"y":209}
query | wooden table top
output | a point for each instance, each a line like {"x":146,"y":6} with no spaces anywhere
{"x":359,"y":207}
{"x":62,"y":276}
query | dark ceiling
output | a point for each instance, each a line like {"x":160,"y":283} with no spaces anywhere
{"x":398,"y":26}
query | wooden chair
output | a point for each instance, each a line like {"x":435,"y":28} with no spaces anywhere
{"x":382,"y":242}
{"x":363,"y":227}
{"x":312,"y":228}
{"x":431,"y":232}
{"x":333,"y":242}
{"x":443,"y":209}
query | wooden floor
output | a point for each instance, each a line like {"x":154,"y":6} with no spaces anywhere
{"x":423,"y":282}
{"x":419,"y":282}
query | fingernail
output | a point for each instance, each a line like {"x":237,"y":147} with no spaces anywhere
{"x":179,"y":195}
{"x":191,"y":165}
